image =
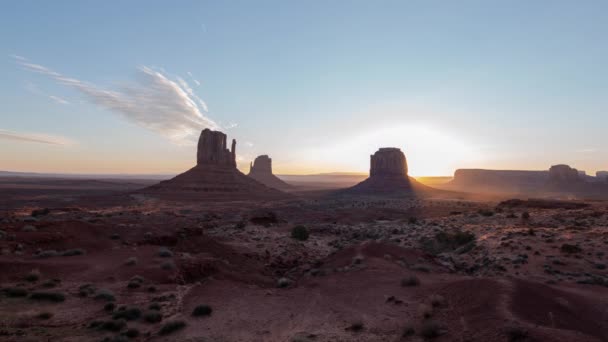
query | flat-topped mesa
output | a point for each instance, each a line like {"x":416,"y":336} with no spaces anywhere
{"x":388,"y":161}
{"x":212,"y":149}
{"x":563,"y":174}
{"x":261,"y":165}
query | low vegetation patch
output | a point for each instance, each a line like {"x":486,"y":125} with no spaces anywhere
{"x":33,"y":276}
{"x":164,"y":252}
{"x":356,"y":327}
{"x":570,"y":249}
{"x":171,"y":327}
{"x":411,"y":280}
{"x":44,"y":315}
{"x":105,"y":294}
{"x":458,"y":241}
{"x":48,"y":296}
{"x":129,"y":314}
{"x":152,"y":316}
{"x":299,"y":233}
{"x":15,"y":292}
{"x":430,"y":330}
{"x":202,"y":310}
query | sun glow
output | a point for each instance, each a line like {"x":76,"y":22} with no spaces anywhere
{"x":429,"y":152}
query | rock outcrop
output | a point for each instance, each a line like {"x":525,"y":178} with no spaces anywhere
{"x":388,"y":175}
{"x":563,"y":174}
{"x":212,"y":149}
{"x":215,"y":176}
{"x":261,"y":170}
{"x":388,"y":161}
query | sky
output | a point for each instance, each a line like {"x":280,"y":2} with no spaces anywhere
{"x":126,"y":86}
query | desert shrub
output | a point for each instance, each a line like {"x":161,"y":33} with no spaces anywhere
{"x":356,"y":327}
{"x":112,"y":325}
{"x":515,"y":333}
{"x":568,"y":248}
{"x":164,"y":252}
{"x":44,"y":315}
{"x":425,"y":310}
{"x":430,"y":330}
{"x":50,"y":283}
{"x":73,"y":252}
{"x":154,"y":306}
{"x":168,"y":265}
{"x":47,"y":253}
{"x":15,"y":292}
{"x":152,"y":288}
{"x":109,"y":306}
{"x":105,"y":294}
{"x":421,"y":268}
{"x":240,"y":225}
{"x":411,"y":280}
{"x":129,"y":314}
{"x":444,"y":241}
{"x":299,"y":233}
{"x":115,"y":236}
{"x":408,"y":330}
{"x":485,"y":212}
{"x":412,"y":220}
{"x":436,"y":300}
{"x":137,"y":278}
{"x":525,"y":215}
{"x":33,"y":276}
{"x":48,"y":296}
{"x":283,"y":282}
{"x":132,"y":261}
{"x":131,"y":333}
{"x":202,"y":310}
{"x":152,"y":316}
{"x":133,"y":284}
{"x":171,"y":327}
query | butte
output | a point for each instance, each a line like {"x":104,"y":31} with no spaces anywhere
{"x":261,"y":171}
{"x":215,"y":176}
{"x":388,"y":176}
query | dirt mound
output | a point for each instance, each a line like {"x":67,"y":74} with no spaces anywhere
{"x":546,"y":306}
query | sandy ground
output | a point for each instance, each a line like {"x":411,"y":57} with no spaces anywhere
{"x":371,"y":269}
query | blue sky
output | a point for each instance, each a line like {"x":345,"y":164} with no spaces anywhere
{"x":318,"y":85}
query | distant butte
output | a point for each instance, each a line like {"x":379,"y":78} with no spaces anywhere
{"x":388,"y":175}
{"x":261,"y":170}
{"x":215,"y":176}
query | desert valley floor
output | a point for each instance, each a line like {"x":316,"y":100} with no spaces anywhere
{"x":128,"y":267}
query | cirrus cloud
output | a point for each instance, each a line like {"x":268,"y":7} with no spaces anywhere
{"x":35,"y":138}
{"x":154,"y":101}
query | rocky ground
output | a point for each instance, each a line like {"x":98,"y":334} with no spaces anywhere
{"x":354,"y":269}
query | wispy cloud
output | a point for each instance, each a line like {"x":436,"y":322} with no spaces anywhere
{"x":36,"y":138}
{"x":166,"y":106}
{"x":34,"y":89}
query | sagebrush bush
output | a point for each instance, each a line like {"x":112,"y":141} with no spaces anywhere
{"x":430,"y":329}
{"x":152,"y":316}
{"x":15,"y":292}
{"x":202,"y":310}
{"x":132,"y":261}
{"x":48,"y":296}
{"x":44,"y":315}
{"x":164,"y":252}
{"x":32,"y":276}
{"x":299,"y":233}
{"x":171,"y":327}
{"x":105,"y":294}
{"x":129,"y":314}
{"x":411,"y":280}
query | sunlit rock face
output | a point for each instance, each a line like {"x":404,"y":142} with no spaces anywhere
{"x":388,"y":161}
{"x":261,"y":170}
{"x":212,"y":149}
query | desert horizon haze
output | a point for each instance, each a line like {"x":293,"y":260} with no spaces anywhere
{"x":303,"y":171}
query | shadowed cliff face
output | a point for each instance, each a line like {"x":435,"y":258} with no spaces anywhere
{"x":212,"y":149}
{"x":261,"y":170}
{"x":388,"y":161}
